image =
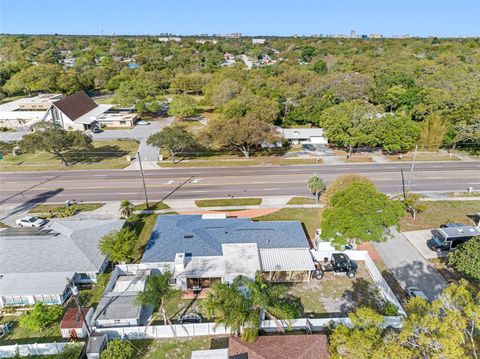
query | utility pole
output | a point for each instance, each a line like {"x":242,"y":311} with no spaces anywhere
{"x":143,"y":180}
{"x":403,"y":185}
{"x":74,"y":290}
{"x":413,"y":167}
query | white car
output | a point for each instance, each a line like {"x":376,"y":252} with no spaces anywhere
{"x":413,"y":292}
{"x":142,"y":123}
{"x":30,"y":221}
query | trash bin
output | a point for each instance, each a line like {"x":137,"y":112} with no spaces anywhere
{"x":160,"y":157}
{"x":129,"y":158}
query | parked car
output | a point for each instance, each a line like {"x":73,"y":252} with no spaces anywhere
{"x":142,"y":123}
{"x":308,"y":147}
{"x":338,"y":263}
{"x":96,"y":130}
{"x":414,"y":292}
{"x":190,"y":318}
{"x":30,"y":221}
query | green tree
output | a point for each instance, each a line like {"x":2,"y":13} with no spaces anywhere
{"x":243,"y":134}
{"x":341,"y":183}
{"x":433,"y":132}
{"x":413,"y":205}
{"x":183,"y":106}
{"x":351,"y":124}
{"x":118,"y":349}
{"x":126,"y":208}
{"x":466,"y":258}
{"x":158,"y":291}
{"x":316,"y":186}
{"x":55,"y":140}
{"x":397,"y":133}
{"x":119,"y":245}
{"x":240,"y":304}
{"x":175,"y":139}
{"x":320,"y":67}
{"x":40,"y":317}
{"x":360,"y":213}
{"x":33,"y":79}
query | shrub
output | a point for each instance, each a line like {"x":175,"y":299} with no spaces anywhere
{"x":40,"y":317}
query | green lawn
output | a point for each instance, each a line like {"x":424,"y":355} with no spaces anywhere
{"x":91,"y":297}
{"x":80,"y":207}
{"x":106,"y":155}
{"x":155,"y":206}
{"x":310,"y":218}
{"x":429,"y":156}
{"x":439,"y":212}
{"x":170,"y":349}
{"x":302,"y":200}
{"x":24,"y":336}
{"x":176,"y":307}
{"x":228,"y":202}
{"x":143,"y":225}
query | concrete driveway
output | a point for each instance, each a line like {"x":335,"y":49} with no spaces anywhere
{"x":409,"y":267}
{"x":11,"y":136}
{"x":419,"y":240}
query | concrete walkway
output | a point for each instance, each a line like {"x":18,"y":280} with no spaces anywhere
{"x":409,"y":267}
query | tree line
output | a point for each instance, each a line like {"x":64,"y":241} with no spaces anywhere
{"x":388,"y":93}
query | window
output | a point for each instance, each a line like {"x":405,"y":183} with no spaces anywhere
{"x":123,"y":122}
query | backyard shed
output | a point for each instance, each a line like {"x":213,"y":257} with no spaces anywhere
{"x":72,"y":325}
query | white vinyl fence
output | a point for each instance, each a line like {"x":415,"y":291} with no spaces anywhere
{"x":372,"y":269}
{"x":165,"y":331}
{"x":24,"y":350}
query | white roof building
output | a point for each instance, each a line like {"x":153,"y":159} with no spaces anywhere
{"x":304,"y":135}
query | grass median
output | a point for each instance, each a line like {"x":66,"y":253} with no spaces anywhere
{"x":105,"y":155}
{"x":80,"y":207}
{"x":227,"y":202}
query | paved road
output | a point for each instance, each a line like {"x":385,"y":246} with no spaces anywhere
{"x":178,"y":183}
{"x":409,"y":267}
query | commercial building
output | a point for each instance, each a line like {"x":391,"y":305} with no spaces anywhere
{"x":303,"y":135}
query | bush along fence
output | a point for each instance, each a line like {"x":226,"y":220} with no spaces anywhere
{"x":25,"y":350}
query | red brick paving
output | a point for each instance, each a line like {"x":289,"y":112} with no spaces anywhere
{"x":246,"y":213}
{"x":366,"y":246}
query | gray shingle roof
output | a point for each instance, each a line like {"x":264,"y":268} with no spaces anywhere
{"x":40,"y":264}
{"x":204,"y":237}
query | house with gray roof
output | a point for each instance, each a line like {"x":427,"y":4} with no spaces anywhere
{"x":36,"y":263}
{"x":200,"y":250}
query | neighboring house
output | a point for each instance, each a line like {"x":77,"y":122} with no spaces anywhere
{"x":77,"y":112}
{"x":118,"y":306}
{"x":200,"y":250}
{"x":314,"y":346}
{"x":114,"y":118}
{"x":258,"y":41}
{"x":24,"y":112}
{"x":36,"y":264}
{"x":72,"y":325}
{"x":303,"y":135}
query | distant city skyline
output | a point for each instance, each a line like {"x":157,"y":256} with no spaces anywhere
{"x":442,"y":18}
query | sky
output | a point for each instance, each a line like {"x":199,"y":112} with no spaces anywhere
{"x":443,"y":18}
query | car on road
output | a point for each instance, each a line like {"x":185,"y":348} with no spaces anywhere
{"x":96,"y":130}
{"x":338,"y":263}
{"x":142,"y":123}
{"x":414,"y":292}
{"x":30,"y":221}
{"x":449,"y":238}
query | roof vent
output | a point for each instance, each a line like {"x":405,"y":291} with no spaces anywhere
{"x":461,"y":230}
{"x":188,"y":236}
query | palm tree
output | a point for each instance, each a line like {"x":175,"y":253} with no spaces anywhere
{"x":316,"y":186}
{"x":158,"y":291}
{"x":242,"y":303}
{"x":126,"y":208}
